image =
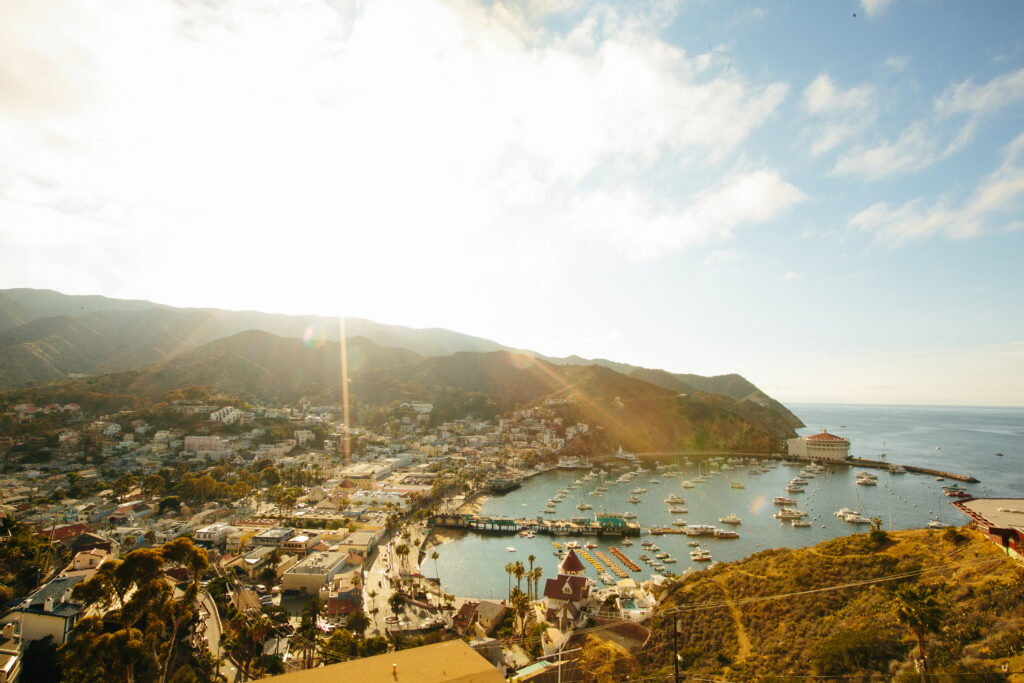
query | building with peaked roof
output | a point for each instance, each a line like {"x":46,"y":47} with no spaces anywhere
{"x":47,"y":612}
{"x":1001,"y":519}
{"x":566,"y":594}
{"x":820,"y":446}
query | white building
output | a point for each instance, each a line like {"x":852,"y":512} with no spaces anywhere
{"x":314,"y":572}
{"x":822,"y":446}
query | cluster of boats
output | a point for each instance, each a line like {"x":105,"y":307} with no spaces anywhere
{"x":867,"y":479}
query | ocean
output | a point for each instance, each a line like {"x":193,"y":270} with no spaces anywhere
{"x":956,"y":439}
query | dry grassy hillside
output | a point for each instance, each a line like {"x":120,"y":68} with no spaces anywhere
{"x":779,"y":613}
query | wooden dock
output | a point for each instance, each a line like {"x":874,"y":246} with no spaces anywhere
{"x":579,"y":526}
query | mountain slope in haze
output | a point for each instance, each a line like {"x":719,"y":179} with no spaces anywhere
{"x":261,"y":365}
{"x":51,"y":336}
{"x":633,"y":413}
{"x":65,"y":335}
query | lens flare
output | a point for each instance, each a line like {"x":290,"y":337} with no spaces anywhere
{"x":758,"y":504}
{"x":314,"y":336}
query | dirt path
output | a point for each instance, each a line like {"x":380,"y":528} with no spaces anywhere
{"x":742,"y":639}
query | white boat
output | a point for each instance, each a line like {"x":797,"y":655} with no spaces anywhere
{"x":687,"y":484}
{"x":856,"y":518}
{"x":864,"y":481}
{"x":510,"y":549}
{"x":937,"y":524}
{"x":782,"y":500}
{"x":584,"y":506}
{"x":700,"y":555}
{"x":800,"y":523}
{"x":674,"y":499}
{"x":629,"y":514}
{"x":789,"y":513}
{"x":633,"y":499}
{"x":726,"y":533}
{"x":731,"y":518}
{"x":678,"y":522}
{"x":897,"y":469}
{"x":607,"y":579}
{"x":669,"y":560}
{"x":590,"y":544}
{"x":572,"y":545}
{"x":676,"y":510}
{"x":639,"y":490}
{"x":626,"y":541}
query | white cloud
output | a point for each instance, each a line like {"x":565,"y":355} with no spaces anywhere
{"x":921,"y":143}
{"x":967,"y":98}
{"x":636,"y":225}
{"x":823,"y":97}
{"x":790,"y":275}
{"x":846,"y":112}
{"x":897,"y":63}
{"x":995,"y":201}
{"x":236,"y":125}
{"x":873,"y":8}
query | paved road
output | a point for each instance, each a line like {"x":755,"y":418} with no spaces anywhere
{"x":211,"y":617}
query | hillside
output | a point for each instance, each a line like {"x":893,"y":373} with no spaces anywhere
{"x":46,"y":336}
{"x":777,"y":613}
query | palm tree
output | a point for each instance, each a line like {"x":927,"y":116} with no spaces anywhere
{"x":402,"y":550}
{"x":919,"y":610}
{"x":372,"y":594}
{"x":519,"y":571}
{"x":508,"y":570}
{"x":535,"y":574}
{"x":520,"y":602}
{"x":434,"y":555}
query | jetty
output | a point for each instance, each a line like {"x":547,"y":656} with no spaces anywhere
{"x":855,"y":462}
{"x":603,"y":524}
{"x":878,"y":464}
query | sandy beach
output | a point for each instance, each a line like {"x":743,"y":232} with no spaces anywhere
{"x":441,"y":536}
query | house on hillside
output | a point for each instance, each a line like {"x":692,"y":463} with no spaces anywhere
{"x":1001,"y":519}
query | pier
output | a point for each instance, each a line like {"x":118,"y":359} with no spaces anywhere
{"x":602,"y":525}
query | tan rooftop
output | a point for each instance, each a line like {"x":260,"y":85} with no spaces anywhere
{"x":452,"y":660}
{"x":1004,"y":513}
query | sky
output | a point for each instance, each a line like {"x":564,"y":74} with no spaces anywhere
{"x":825,"y":197}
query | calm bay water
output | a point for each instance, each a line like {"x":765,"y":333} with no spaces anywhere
{"x":967,"y":440}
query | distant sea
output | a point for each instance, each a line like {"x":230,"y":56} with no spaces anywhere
{"x":957,"y":439}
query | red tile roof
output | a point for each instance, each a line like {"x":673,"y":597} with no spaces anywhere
{"x":571,"y":563}
{"x":556,"y":589}
{"x":825,"y":436}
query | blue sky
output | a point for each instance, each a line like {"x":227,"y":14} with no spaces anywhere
{"x":823,"y":197}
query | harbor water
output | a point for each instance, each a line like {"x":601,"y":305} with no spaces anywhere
{"x":954,"y":439}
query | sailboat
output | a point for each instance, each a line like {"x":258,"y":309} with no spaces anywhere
{"x":883,"y":449}
{"x":938,"y":523}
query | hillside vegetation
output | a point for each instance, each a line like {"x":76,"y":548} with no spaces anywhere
{"x":778,"y":613}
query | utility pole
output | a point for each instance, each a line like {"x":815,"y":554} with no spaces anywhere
{"x":675,"y":647}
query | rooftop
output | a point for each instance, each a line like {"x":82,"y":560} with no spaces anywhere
{"x":452,"y":660}
{"x":1005,"y":513}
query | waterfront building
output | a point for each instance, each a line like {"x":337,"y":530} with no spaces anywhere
{"x":274,"y":536}
{"x":1001,"y":519}
{"x":821,"y":446}
{"x":566,"y":594}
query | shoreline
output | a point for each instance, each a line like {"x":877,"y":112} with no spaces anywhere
{"x":440,"y":536}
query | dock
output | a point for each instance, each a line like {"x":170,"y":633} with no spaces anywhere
{"x":604,"y":524}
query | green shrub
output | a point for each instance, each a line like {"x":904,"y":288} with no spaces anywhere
{"x":849,"y":651}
